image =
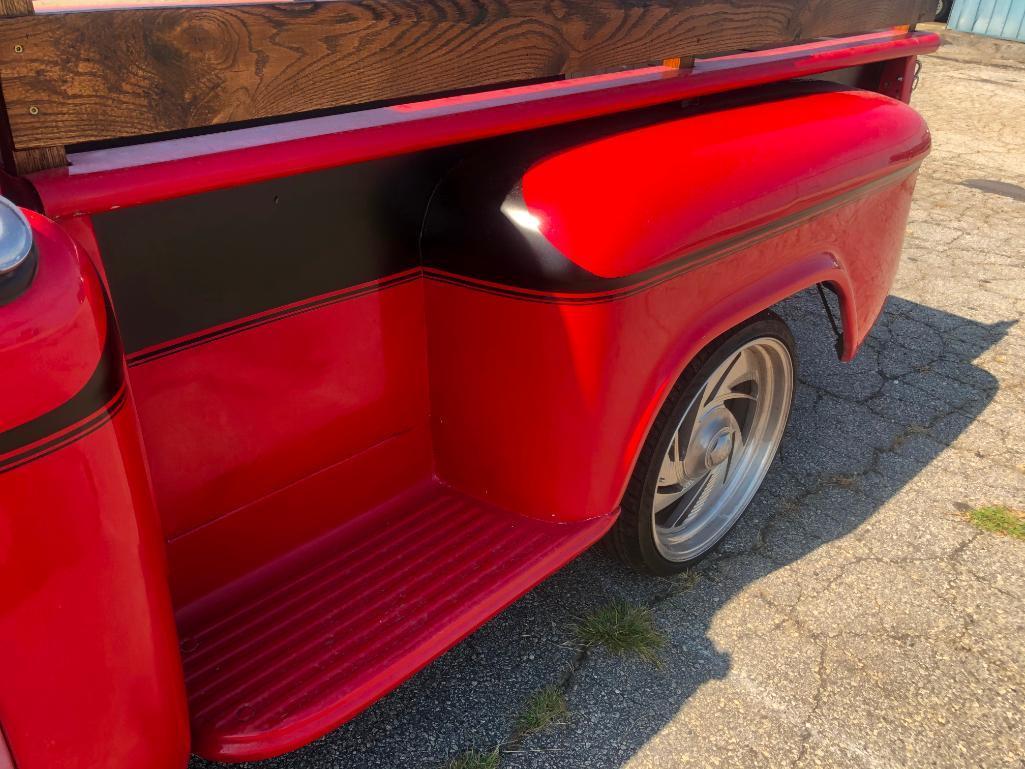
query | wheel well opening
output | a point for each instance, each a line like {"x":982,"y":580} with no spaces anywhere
{"x":817,"y":313}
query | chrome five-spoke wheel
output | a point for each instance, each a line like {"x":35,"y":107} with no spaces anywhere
{"x":710,"y":448}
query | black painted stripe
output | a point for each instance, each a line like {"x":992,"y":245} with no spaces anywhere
{"x":161,"y":351}
{"x":90,"y":425}
{"x":100,"y":398}
{"x":189,"y":270}
{"x":183,"y":267}
{"x":620,"y":288}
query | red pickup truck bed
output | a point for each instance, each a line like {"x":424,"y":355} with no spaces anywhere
{"x":318,"y":397}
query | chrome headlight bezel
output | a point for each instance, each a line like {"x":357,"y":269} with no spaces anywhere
{"x":16,"y":241}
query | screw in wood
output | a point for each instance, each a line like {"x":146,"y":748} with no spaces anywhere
{"x":19,"y":48}
{"x":33,"y":110}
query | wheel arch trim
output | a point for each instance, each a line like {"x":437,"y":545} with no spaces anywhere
{"x":820,"y":268}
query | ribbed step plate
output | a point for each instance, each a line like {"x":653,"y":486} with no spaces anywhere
{"x":306,"y":645}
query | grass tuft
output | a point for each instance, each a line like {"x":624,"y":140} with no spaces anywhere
{"x":999,"y":520}
{"x":546,"y":708}
{"x":623,"y":629}
{"x":475,"y":759}
{"x":687,"y":579}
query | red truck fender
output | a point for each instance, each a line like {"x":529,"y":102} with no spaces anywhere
{"x":572,"y":284}
{"x":87,"y":638}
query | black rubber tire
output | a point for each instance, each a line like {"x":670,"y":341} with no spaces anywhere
{"x":632,"y":537}
{"x":943,"y":10}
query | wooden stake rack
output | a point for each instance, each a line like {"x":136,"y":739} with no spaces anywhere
{"x":116,"y":73}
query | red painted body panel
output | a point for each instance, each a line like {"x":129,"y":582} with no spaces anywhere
{"x":283,"y":408}
{"x":88,"y":653}
{"x":604,"y":368}
{"x":233,"y":546}
{"x":626,"y":204}
{"x":436,"y":395}
{"x":56,"y":331}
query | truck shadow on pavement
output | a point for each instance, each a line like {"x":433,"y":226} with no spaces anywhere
{"x":859,"y":433}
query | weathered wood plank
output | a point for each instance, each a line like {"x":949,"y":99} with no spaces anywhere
{"x":24,"y":161}
{"x":37,"y":159}
{"x":15,"y":7}
{"x":107,"y":74}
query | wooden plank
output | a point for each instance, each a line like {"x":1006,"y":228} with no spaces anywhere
{"x":15,"y":7}
{"x":38,"y":159}
{"x":107,"y":74}
{"x":29,"y":160}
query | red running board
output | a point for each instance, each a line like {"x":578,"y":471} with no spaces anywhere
{"x":309,"y":643}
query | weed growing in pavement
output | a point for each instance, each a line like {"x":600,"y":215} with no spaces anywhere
{"x":546,"y":708}
{"x":475,"y":759}
{"x":687,"y":579}
{"x":1000,"y":520}
{"x":622,"y":628}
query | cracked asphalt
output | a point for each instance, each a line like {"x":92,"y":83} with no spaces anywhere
{"x":854,"y":618}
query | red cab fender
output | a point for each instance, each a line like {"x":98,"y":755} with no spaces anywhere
{"x":88,"y":648}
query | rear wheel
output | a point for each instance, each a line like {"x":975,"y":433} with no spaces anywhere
{"x":709,"y":449}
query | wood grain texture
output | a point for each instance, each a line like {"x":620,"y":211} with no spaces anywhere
{"x":15,"y":7}
{"x":38,"y":159}
{"x":24,"y":161}
{"x":108,"y":74}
